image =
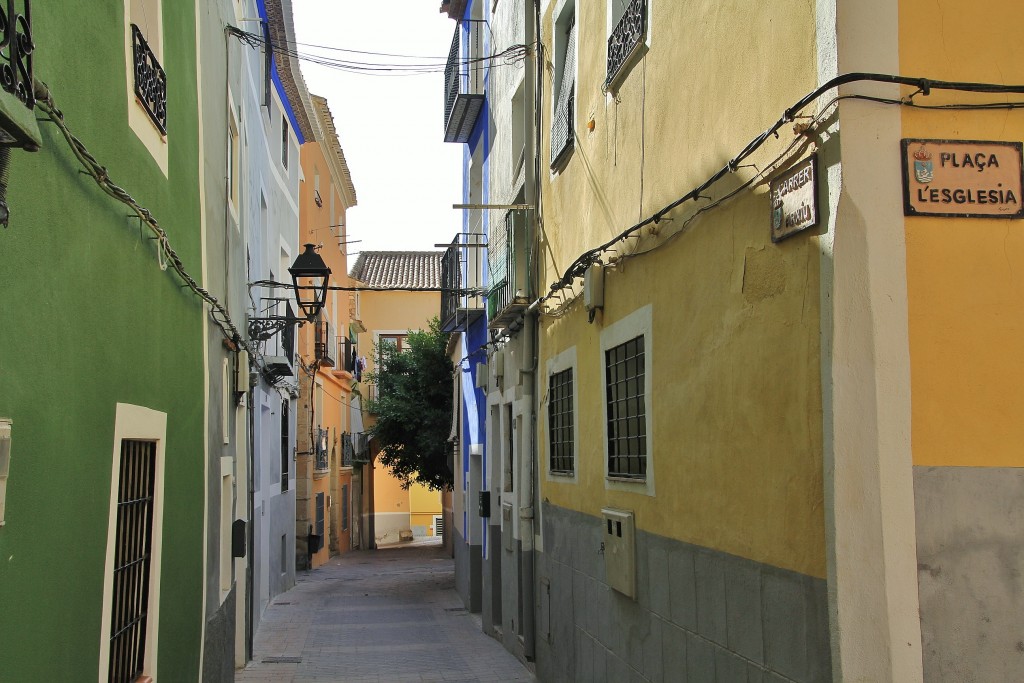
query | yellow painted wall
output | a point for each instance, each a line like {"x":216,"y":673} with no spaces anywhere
{"x":964,"y":276}
{"x":424,"y":504}
{"x":388,"y":494}
{"x":396,"y":312}
{"x":737,"y":424}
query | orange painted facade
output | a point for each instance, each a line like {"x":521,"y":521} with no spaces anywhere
{"x":323,"y":480}
{"x":965,"y":290}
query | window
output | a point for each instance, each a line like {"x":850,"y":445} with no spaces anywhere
{"x":130,"y":616}
{"x":284,"y":142}
{"x":396,"y":340}
{"x":319,"y":531}
{"x":286,"y":454}
{"x":627,"y":358}
{"x":626,"y":409}
{"x":510,"y":442}
{"x":145,"y":79}
{"x":560,"y":421}
{"x":344,"y":507}
{"x":518,"y":132}
{"x":627,"y":33}
{"x":226,"y":500}
{"x":564,"y":85}
{"x":233,"y":161}
{"x":132,"y":555}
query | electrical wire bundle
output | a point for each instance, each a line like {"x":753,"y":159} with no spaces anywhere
{"x":401,"y":65}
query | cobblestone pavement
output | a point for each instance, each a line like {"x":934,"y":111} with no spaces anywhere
{"x":384,"y":616}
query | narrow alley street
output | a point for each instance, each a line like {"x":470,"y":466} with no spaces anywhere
{"x":384,"y":616}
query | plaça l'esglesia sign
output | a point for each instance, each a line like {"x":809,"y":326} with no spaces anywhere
{"x":962,"y":178}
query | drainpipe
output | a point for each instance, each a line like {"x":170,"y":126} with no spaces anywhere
{"x":527,"y":516}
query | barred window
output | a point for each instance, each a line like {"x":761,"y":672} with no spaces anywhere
{"x":132,"y":554}
{"x":286,"y":451}
{"x":564,"y":86}
{"x":344,"y":507}
{"x":627,"y":424}
{"x":560,"y":421}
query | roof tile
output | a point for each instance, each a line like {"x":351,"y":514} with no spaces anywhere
{"x":398,"y":269}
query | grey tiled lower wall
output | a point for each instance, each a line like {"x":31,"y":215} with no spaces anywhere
{"x":970,"y":554}
{"x":700,"y":615}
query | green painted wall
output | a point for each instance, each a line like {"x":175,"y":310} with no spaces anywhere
{"x":87,"y":320}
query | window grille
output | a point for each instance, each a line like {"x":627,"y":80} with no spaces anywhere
{"x":284,"y":142}
{"x":320,"y":516}
{"x":285,"y":448}
{"x":322,"y":437}
{"x":627,"y":425}
{"x":627,"y":36}
{"x":133,"y":546}
{"x":562,"y":119}
{"x":560,"y":421}
{"x":344,"y":507}
{"x":150,"y":80}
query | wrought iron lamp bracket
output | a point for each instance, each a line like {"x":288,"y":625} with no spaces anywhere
{"x":262,"y":329}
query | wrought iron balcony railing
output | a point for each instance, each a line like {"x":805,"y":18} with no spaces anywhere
{"x":463,"y":83}
{"x":321,"y":448}
{"x":150,"y":80}
{"x":460,"y":272}
{"x":348,"y":450}
{"x":626,"y":38}
{"x":451,"y":282}
{"x":325,"y":348}
{"x":508,"y":263}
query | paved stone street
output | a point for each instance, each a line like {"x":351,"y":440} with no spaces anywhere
{"x":384,"y":616}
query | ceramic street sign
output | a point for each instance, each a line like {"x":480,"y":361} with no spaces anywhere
{"x":962,"y":178}
{"x":794,"y":198}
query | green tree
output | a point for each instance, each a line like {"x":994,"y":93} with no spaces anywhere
{"x":414,"y":408}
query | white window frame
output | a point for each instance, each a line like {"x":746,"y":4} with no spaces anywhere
{"x":234,"y":164}
{"x":638,"y":323}
{"x":612,"y":20}
{"x":143,"y":424}
{"x":559,"y":22}
{"x":566,"y":360}
{"x":227,"y":505}
{"x":138,"y":118}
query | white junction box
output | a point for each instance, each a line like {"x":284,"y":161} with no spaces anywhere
{"x":620,"y":550}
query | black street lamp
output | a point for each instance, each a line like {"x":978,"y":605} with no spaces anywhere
{"x":310,"y":275}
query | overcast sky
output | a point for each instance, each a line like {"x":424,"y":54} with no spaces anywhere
{"x":391,"y":127}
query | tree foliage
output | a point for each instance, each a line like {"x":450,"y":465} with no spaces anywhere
{"x":414,"y":408}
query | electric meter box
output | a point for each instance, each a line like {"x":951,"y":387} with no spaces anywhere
{"x":619,"y":535}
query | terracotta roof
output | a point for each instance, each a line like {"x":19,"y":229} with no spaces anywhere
{"x":398,"y":268}
{"x":329,"y":138}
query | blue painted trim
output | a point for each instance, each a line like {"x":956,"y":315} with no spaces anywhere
{"x":278,"y":85}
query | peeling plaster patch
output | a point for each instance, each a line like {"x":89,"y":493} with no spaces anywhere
{"x":763,"y":275}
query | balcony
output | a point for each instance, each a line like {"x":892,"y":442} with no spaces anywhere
{"x":509,"y":259}
{"x":276,"y":327}
{"x":458,"y":308}
{"x":463,"y":83}
{"x":321,"y":449}
{"x":626,"y":38}
{"x":348,"y":450}
{"x":324,"y":346}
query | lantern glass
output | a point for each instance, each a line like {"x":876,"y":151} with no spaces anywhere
{"x":310,"y":276}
